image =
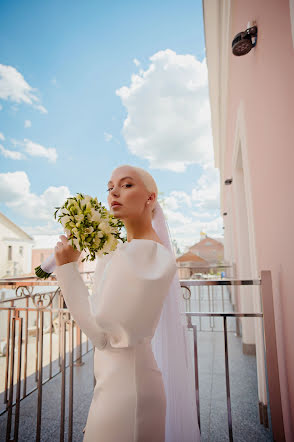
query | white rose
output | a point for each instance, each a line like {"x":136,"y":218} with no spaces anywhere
{"x":95,"y":215}
{"x":105,"y":227}
{"x":64,"y":220}
{"x":89,"y":230}
{"x":76,"y":243}
{"x":79,"y":217}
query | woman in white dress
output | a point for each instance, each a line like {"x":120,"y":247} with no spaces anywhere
{"x":134,"y":396}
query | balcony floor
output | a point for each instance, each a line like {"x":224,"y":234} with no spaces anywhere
{"x":213,"y":412}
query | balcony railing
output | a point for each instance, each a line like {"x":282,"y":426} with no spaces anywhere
{"x":72,"y":345}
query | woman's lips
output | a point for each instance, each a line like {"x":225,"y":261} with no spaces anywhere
{"x":116,"y":205}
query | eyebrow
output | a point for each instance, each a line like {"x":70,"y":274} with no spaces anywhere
{"x":122,"y":179}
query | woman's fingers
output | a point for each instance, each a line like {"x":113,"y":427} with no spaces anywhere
{"x":65,"y":252}
{"x":64,"y":239}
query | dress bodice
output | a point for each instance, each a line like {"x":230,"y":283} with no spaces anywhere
{"x":129,"y":288}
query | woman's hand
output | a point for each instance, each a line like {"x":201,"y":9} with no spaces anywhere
{"x":64,"y":252}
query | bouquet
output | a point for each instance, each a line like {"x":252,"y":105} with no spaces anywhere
{"x":89,"y":226}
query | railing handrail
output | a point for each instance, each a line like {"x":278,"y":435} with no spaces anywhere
{"x":53,"y":281}
{"x":221,"y":281}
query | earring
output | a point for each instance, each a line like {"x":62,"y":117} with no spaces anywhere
{"x":148,"y":202}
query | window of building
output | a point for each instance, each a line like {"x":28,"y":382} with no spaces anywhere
{"x":21,"y":250}
{"x":9,"y":253}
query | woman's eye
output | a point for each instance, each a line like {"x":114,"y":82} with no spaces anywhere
{"x":125,"y":185}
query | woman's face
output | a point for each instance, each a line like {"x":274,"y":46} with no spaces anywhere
{"x":126,"y":187}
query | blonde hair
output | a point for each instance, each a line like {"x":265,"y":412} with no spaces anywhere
{"x":148,"y":180}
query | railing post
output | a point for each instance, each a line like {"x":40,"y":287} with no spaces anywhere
{"x":228,"y":381}
{"x":63,"y":363}
{"x":71,"y":378}
{"x":17,"y":407}
{"x":7,"y":355}
{"x":40,"y":370}
{"x":196,"y":373}
{"x":79,"y":347}
{"x":194,"y":327}
{"x":26,"y":348}
{"x":11,"y":368}
{"x":272,"y":368}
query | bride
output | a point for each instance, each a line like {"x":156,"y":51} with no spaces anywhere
{"x":144,"y":389}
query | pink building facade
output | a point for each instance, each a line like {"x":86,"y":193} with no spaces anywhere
{"x":252,"y":114}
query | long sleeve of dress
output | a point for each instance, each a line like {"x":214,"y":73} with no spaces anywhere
{"x":129,"y":289}
{"x":77,"y":296}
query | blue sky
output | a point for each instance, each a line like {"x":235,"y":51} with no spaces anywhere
{"x":86,"y":86}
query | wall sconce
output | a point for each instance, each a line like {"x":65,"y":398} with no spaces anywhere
{"x":243,"y":42}
{"x":228,"y":181}
{"x":225,"y":213}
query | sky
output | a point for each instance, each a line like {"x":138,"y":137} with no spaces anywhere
{"x":87,"y":86}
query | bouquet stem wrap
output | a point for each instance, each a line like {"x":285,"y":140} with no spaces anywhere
{"x":46,"y":268}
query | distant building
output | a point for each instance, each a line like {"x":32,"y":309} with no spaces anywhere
{"x":202,"y":257}
{"x":209,"y":249}
{"x":189,"y":263}
{"x":15,"y":249}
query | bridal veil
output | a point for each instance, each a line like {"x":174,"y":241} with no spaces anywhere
{"x":173,"y":354}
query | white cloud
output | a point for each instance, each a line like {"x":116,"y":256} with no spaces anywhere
{"x":12,"y":154}
{"x":107,"y":137}
{"x":171,"y":202}
{"x":27,"y":123}
{"x":14,"y":186}
{"x":168,"y":121}
{"x":42,"y":237}
{"x":1,"y":107}
{"x":136,"y":61}
{"x":190,"y":213}
{"x":206,"y":194}
{"x":13,"y":87}
{"x":15,"y":193}
{"x":182,"y":197}
{"x":37,"y":150}
{"x":177,"y":218}
{"x":2,"y":137}
{"x":186,"y":231}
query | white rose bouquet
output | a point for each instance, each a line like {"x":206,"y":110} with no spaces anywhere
{"x":89,"y":226}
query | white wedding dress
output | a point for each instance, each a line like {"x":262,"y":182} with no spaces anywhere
{"x":120,"y":318}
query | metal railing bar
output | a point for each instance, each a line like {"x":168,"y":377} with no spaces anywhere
{"x":220,"y":282}
{"x":44,"y":382}
{"x":71,"y":380}
{"x":7,"y":356}
{"x":229,"y":408}
{"x":17,"y":408}
{"x":222,"y":314}
{"x":40,"y":376}
{"x":63,"y":362}
{"x":10,"y":397}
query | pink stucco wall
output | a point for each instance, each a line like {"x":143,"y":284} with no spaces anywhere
{"x":264,"y":80}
